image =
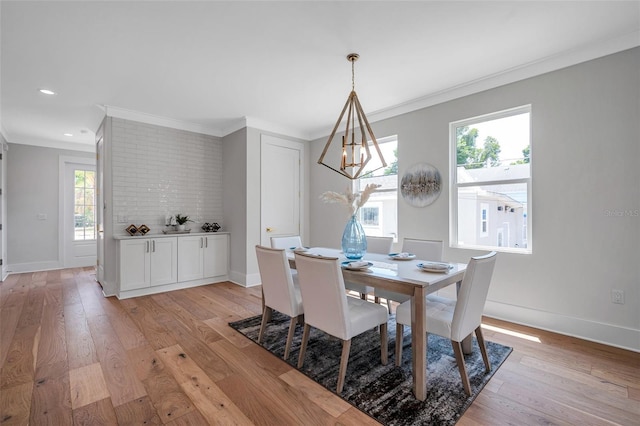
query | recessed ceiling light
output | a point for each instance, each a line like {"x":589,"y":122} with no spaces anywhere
{"x":47,"y":91}
{"x":68,"y":134}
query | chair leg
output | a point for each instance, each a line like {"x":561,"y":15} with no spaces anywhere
{"x":363,"y":296}
{"x":389,"y":306}
{"x":457,"y":350}
{"x":399,"y":335}
{"x":376,"y":299}
{"x":384,"y":344}
{"x":266,"y":317}
{"x":344,"y":359}
{"x":483,"y":349}
{"x":303,"y":346}
{"x":292,"y":330}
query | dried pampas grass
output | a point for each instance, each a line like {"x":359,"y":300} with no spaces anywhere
{"x":352,"y":201}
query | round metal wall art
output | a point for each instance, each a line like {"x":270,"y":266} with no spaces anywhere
{"x":421,"y":185}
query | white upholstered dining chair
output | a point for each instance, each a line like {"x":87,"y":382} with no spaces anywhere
{"x":424,"y":250}
{"x":279,"y":291}
{"x":380,"y":245}
{"x":455,"y":320}
{"x":328,"y":308}
{"x":286,"y":242}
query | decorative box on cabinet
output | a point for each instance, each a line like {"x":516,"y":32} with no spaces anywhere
{"x":202,"y":257}
{"x":147,"y":262}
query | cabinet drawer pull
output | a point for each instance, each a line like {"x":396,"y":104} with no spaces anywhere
{"x":206,"y":242}
{"x":146,"y":243}
{"x":154,"y":246}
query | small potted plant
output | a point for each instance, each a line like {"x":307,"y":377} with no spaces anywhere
{"x":181,"y":221}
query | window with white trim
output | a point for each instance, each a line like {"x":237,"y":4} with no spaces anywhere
{"x":491,"y":181}
{"x":379,"y":216}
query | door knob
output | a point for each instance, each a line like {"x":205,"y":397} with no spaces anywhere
{"x":269,"y":229}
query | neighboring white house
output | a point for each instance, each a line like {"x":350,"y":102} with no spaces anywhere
{"x":379,"y":217}
{"x":493,"y":214}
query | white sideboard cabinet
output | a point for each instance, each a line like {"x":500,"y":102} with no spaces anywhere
{"x":148,"y":262}
{"x":148,"y":265}
{"x":203,"y":256}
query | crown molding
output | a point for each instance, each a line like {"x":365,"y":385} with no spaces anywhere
{"x":50,"y":143}
{"x":142,"y":117}
{"x":230,"y":127}
{"x":551,"y":63}
{"x":267,"y":126}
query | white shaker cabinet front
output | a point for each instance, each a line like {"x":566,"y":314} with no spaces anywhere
{"x":147,"y":262}
{"x":201,"y":257}
{"x":215,"y":256}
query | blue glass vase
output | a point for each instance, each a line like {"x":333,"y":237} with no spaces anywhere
{"x":354,"y":241}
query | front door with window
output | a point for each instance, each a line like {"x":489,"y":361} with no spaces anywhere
{"x":79,"y":216}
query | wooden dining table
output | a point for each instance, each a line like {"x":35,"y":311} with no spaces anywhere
{"x":405,"y":277}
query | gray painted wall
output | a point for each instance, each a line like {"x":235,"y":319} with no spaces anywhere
{"x":234,"y":194}
{"x":585,"y":151}
{"x":33,"y":188}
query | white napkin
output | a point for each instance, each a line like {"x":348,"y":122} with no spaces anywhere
{"x":358,"y":264}
{"x":435,"y":265}
{"x":403,"y":254}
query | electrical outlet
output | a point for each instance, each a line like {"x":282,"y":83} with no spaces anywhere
{"x":617,"y":296}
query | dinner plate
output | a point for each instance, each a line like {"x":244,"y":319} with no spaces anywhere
{"x":399,"y":256}
{"x":346,"y":264}
{"x":435,"y":266}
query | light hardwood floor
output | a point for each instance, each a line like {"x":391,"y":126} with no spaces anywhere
{"x":71,"y":356}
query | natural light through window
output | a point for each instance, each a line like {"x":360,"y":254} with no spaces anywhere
{"x":379,"y":215}
{"x":84,"y":223}
{"x":511,"y":333}
{"x":491,"y":181}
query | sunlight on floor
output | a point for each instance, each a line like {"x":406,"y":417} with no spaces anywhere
{"x":511,"y":333}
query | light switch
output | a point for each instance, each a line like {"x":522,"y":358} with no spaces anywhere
{"x":42,"y":216}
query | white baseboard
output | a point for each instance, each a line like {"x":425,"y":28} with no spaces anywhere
{"x":170,"y":287}
{"x":244,"y":280}
{"x":18,"y":268}
{"x":607,"y":334}
{"x":109,"y":289}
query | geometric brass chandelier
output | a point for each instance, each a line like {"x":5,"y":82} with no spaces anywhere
{"x":357,"y":141}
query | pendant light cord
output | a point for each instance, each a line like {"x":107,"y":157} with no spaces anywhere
{"x":353,"y":76}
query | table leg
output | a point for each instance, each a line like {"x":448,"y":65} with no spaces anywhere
{"x":419,"y":343}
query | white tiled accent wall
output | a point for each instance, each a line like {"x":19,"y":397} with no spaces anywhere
{"x":159,"y":171}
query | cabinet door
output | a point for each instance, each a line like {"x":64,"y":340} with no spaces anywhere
{"x":215,"y":255}
{"x":134,"y":264}
{"x":164,"y":261}
{"x":190,"y":258}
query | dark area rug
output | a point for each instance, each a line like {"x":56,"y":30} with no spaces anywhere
{"x":384,"y":392}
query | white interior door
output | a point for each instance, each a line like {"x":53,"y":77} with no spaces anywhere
{"x":281,"y":180}
{"x":78,"y":236}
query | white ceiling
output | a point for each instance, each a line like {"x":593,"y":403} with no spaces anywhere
{"x":213,"y":66}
